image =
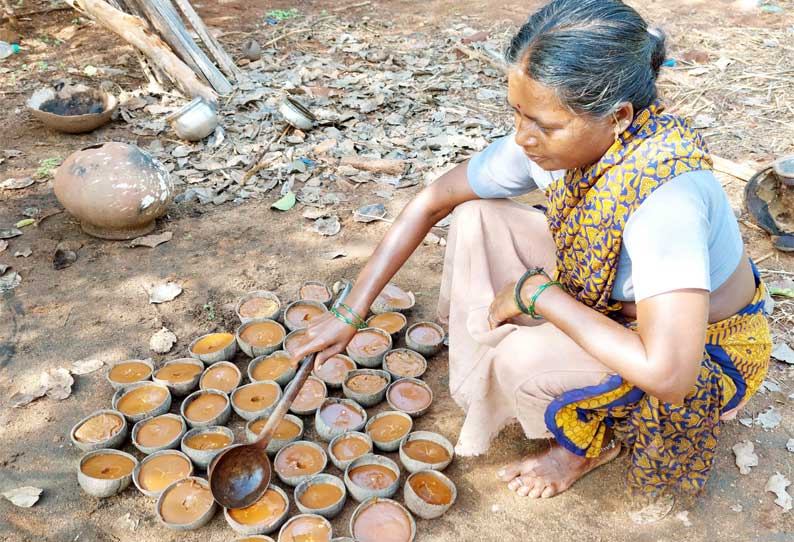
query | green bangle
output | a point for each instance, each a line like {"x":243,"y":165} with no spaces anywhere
{"x":534,"y":298}
{"x":353,"y":314}
{"x":531,"y":272}
{"x":347,"y":320}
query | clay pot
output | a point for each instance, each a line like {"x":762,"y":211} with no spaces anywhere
{"x":73,"y":109}
{"x":116,"y":190}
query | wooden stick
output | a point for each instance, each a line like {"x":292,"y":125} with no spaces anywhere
{"x":775,"y":272}
{"x":262,"y":164}
{"x":163,"y":16}
{"x":216,"y":49}
{"x":472,"y":54}
{"x":764,"y":257}
{"x":133,"y":30}
{"x":723,"y":165}
{"x":353,"y":6}
{"x":152,"y":73}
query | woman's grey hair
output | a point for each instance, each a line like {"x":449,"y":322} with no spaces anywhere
{"x":596,"y":54}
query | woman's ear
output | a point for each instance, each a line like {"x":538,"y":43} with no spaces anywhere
{"x":623,"y":116}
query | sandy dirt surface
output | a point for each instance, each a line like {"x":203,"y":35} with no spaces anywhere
{"x":98,"y":308}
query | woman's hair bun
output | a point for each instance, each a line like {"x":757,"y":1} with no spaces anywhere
{"x":658,"y":41}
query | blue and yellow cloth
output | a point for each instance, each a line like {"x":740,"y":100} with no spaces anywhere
{"x":671,"y":446}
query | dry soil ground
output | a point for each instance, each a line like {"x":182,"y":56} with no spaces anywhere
{"x":98,"y":309}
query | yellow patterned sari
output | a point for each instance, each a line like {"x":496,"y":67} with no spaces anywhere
{"x":671,"y":446}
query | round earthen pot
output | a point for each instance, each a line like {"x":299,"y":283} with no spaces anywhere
{"x":115,"y":189}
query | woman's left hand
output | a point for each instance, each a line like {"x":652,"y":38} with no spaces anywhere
{"x":503,"y":307}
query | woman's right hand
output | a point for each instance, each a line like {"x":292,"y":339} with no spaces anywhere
{"x":327,"y":335}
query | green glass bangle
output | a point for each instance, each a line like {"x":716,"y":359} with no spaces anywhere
{"x":354,"y":314}
{"x":346,"y":320}
{"x":536,"y":295}
{"x":531,"y":272}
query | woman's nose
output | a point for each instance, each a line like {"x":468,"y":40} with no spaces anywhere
{"x":524,"y":135}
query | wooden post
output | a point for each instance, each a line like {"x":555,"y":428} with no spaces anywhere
{"x":164,"y":18}
{"x":216,"y":49}
{"x":134,"y":31}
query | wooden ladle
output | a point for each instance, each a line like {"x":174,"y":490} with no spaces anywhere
{"x":239,"y":475}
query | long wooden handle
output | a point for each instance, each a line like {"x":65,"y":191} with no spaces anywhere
{"x":286,"y":401}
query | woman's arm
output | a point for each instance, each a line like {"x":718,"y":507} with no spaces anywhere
{"x":663,"y":359}
{"x":328,"y":335}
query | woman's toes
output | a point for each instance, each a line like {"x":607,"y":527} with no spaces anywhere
{"x":536,"y":491}
{"x":514,"y":484}
{"x":508,"y":473}
{"x":548,"y":492}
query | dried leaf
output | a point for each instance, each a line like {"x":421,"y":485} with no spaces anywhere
{"x":333,"y":254}
{"x":369,"y":213}
{"x":8,"y":233}
{"x":327,"y":226}
{"x":21,"y":399}
{"x":286,"y":203}
{"x":63,"y":258}
{"x":24,"y":497}
{"x":769,"y":419}
{"x":58,"y":383}
{"x":790,"y":445}
{"x":165,"y":292}
{"x":9,"y":281}
{"x":16,"y":184}
{"x":86,"y":366}
{"x":3,"y":245}
{"x":162,"y":341}
{"x":745,"y":456}
{"x":783,"y":352}
{"x":777,"y":484}
{"x":151,"y":241}
{"x":24,"y":253}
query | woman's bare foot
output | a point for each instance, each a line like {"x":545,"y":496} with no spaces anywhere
{"x":551,"y":472}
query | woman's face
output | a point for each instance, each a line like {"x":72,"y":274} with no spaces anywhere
{"x":551,"y":135}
